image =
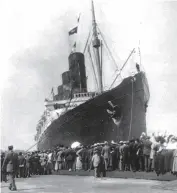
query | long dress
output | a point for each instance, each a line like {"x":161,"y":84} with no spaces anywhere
{"x":78,"y":163}
{"x":49,"y":163}
{"x":78,"y":160}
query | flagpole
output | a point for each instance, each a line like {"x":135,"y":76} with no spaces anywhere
{"x":72,"y":32}
{"x":78,"y":19}
{"x":69,"y":45}
{"x":139,"y":43}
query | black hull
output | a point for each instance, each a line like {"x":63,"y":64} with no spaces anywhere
{"x":90,"y":122}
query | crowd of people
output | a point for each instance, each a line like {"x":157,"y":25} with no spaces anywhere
{"x":155,"y":153}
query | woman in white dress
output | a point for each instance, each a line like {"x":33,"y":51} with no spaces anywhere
{"x":152,"y":153}
{"x":49,"y":163}
{"x":43,"y":161}
{"x":78,"y":160}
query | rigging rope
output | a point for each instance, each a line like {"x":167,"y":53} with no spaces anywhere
{"x":32,"y":147}
{"x":122,"y":68}
{"x":87,"y":40}
{"x":139,"y":54}
{"x":116,"y":65}
{"x":90,"y":56}
{"x":131,"y":111}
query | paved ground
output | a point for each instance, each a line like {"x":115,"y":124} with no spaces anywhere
{"x":83,"y":184}
{"x":120,"y":174}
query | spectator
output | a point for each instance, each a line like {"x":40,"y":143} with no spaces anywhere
{"x":10,"y":165}
{"x":146,"y":152}
{"x":22,"y":162}
{"x":106,"y":154}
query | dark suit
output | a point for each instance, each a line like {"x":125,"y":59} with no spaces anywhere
{"x":106,"y":151}
{"x":117,"y":151}
{"x":140,"y":156}
{"x":22,"y":162}
{"x":10,"y":165}
{"x":126,"y":157}
{"x":133,"y":155}
{"x":28,"y":166}
{"x":146,"y":151}
{"x":90,"y":154}
{"x":3,"y":174}
{"x":69,"y":157}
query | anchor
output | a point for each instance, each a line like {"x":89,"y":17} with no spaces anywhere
{"x":115,"y":113}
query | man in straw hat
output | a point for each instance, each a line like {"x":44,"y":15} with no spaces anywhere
{"x":98,"y":164}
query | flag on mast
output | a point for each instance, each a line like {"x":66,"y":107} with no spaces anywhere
{"x":72,"y":34}
{"x":73,"y":31}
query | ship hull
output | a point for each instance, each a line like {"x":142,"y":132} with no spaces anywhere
{"x":90,"y":122}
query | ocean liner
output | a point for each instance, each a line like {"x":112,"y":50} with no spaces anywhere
{"x":77,"y":114}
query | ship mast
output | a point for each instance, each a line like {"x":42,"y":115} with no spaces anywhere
{"x":96,"y":45}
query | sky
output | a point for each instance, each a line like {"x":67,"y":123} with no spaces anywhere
{"x":35,"y":47}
